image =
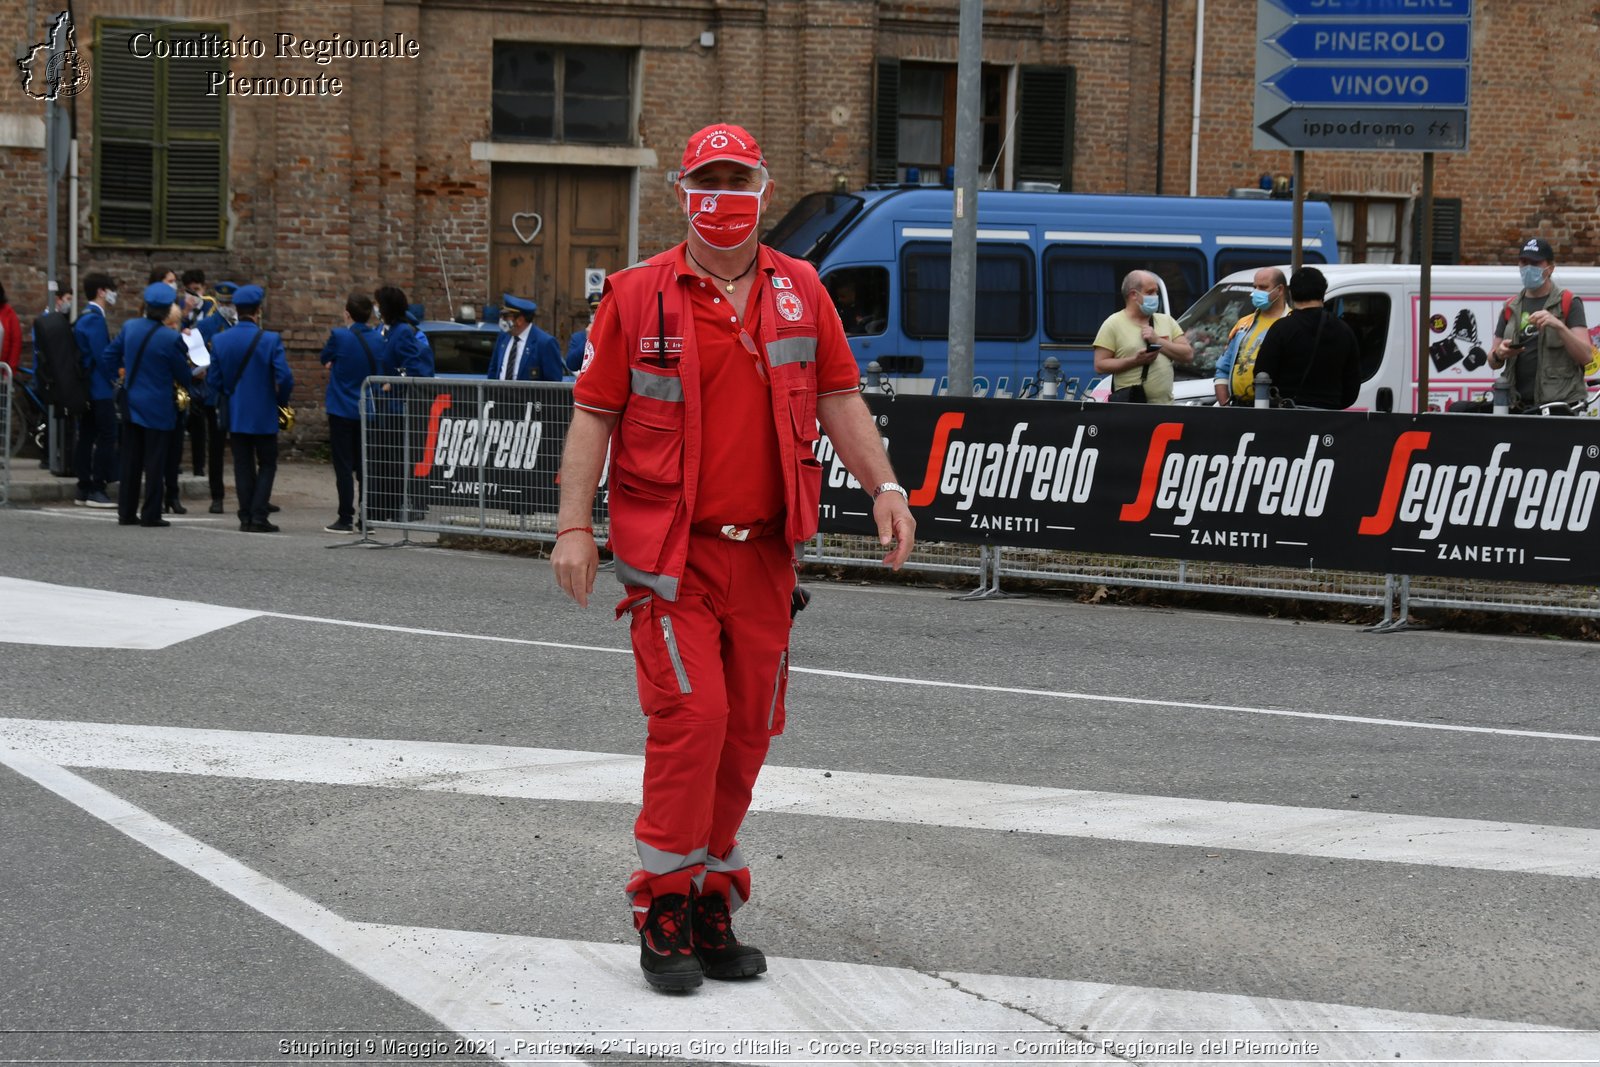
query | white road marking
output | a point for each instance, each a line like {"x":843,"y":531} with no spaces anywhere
{"x":36,"y":613}
{"x":503,"y":989}
{"x":603,"y":777}
{"x":29,"y":620}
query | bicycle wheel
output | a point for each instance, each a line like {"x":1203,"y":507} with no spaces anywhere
{"x":22,"y":427}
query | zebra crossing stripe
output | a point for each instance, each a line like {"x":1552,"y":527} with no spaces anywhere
{"x":523,"y":998}
{"x":43,"y":614}
{"x":603,"y":777}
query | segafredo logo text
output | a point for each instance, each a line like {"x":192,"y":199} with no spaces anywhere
{"x":968,"y":471}
{"x":1439,"y":496}
{"x":484,"y":442}
{"x":1240,"y":483}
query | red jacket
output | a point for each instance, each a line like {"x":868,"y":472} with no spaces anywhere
{"x":655,"y":451}
{"x":11,"y":353}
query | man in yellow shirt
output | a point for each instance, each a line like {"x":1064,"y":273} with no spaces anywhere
{"x":1139,"y":344}
{"x":1236,"y":370}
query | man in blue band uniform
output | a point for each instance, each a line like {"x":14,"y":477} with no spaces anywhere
{"x":150,"y":358}
{"x":524,"y":353}
{"x":208,"y":440}
{"x":251,"y":374}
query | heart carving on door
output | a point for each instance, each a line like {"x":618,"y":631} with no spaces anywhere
{"x":516,"y":225}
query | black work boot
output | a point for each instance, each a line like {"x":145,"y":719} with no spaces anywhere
{"x":666,"y":954}
{"x":721,"y":954}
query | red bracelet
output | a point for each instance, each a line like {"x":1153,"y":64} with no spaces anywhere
{"x":575,"y":529}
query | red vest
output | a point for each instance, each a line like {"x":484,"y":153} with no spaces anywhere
{"x":655,"y":451}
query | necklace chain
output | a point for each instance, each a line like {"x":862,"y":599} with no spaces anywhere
{"x":728,"y":282}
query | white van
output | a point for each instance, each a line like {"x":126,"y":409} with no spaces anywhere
{"x":1381,"y":304}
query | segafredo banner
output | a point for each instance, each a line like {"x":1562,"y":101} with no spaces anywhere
{"x":497,"y":441}
{"x":1503,"y":497}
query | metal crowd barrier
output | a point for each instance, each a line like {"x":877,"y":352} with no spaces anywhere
{"x":5,"y":438}
{"x":463,"y":456}
{"x":469,"y":456}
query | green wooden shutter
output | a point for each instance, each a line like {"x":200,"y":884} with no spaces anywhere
{"x":192,"y":201}
{"x":1446,"y":231}
{"x":125,"y":124}
{"x":886,"y":123}
{"x":160,"y":152}
{"x":1046,"y":100}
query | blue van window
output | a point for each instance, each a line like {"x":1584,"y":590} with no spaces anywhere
{"x":810,"y":226}
{"x":1230,"y":260}
{"x":1082,"y":285}
{"x":1005,"y":292}
{"x":861,"y":295}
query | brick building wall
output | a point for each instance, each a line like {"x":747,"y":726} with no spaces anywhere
{"x":382,"y":184}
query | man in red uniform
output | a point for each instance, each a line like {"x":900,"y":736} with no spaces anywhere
{"x":706,"y":371}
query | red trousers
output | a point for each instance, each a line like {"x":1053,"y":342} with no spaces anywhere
{"x":712,"y":668}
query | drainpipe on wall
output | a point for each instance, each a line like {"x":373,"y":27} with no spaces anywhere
{"x":1194,"y":123}
{"x":1161,"y":105}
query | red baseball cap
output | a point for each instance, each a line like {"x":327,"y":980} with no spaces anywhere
{"x":721,"y":141}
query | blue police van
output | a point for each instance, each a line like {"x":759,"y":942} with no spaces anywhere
{"x":1049,"y":270}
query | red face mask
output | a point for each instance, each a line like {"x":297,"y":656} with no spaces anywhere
{"x":724,"y":218}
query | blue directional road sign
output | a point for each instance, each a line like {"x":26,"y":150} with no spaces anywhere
{"x":1373,"y":75}
{"x":1374,"y":9}
{"x":1336,"y":42}
{"x":1424,"y":86}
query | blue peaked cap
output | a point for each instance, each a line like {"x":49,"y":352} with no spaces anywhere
{"x":517,"y":303}
{"x":159,"y":293}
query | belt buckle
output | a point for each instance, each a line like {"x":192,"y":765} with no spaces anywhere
{"x":735,"y":533}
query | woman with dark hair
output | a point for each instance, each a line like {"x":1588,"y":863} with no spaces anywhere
{"x":406,"y":354}
{"x":10,"y":334}
{"x":405,"y":351}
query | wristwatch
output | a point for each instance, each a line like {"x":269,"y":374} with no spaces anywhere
{"x":890,"y":487}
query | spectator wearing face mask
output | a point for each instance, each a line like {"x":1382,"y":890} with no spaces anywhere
{"x":523,"y":352}
{"x":1139,"y":344}
{"x":1544,"y":336}
{"x":1236,"y":370}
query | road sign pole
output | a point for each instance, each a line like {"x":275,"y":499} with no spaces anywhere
{"x":964,"y":221}
{"x":1424,"y":308}
{"x":1298,"y":180}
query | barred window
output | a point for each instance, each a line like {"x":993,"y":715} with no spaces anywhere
{"x":160,"y":169}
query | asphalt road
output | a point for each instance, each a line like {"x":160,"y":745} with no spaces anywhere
{"x":1095,"y":826}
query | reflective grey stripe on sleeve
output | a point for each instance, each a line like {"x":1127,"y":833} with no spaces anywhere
{"x":792,"y":350}
{"x":661,"y":585}
{"x":777,"y":687}
{"x":674,"y":656}
{"x":658,"y":862}
{"x":655,"y":386}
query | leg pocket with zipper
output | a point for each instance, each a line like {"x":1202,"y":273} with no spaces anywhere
{"x":663,"y":678}
{"x":780,"y":688}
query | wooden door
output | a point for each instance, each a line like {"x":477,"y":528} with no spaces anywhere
{"x":550,"y":224}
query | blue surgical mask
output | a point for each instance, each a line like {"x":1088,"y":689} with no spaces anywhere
{"x":1532,"y":277}
{"x":1150,"y":304}
{"x":1260,"y":300}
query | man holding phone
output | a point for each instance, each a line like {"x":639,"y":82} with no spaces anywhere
{"x":1139,"y":344}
